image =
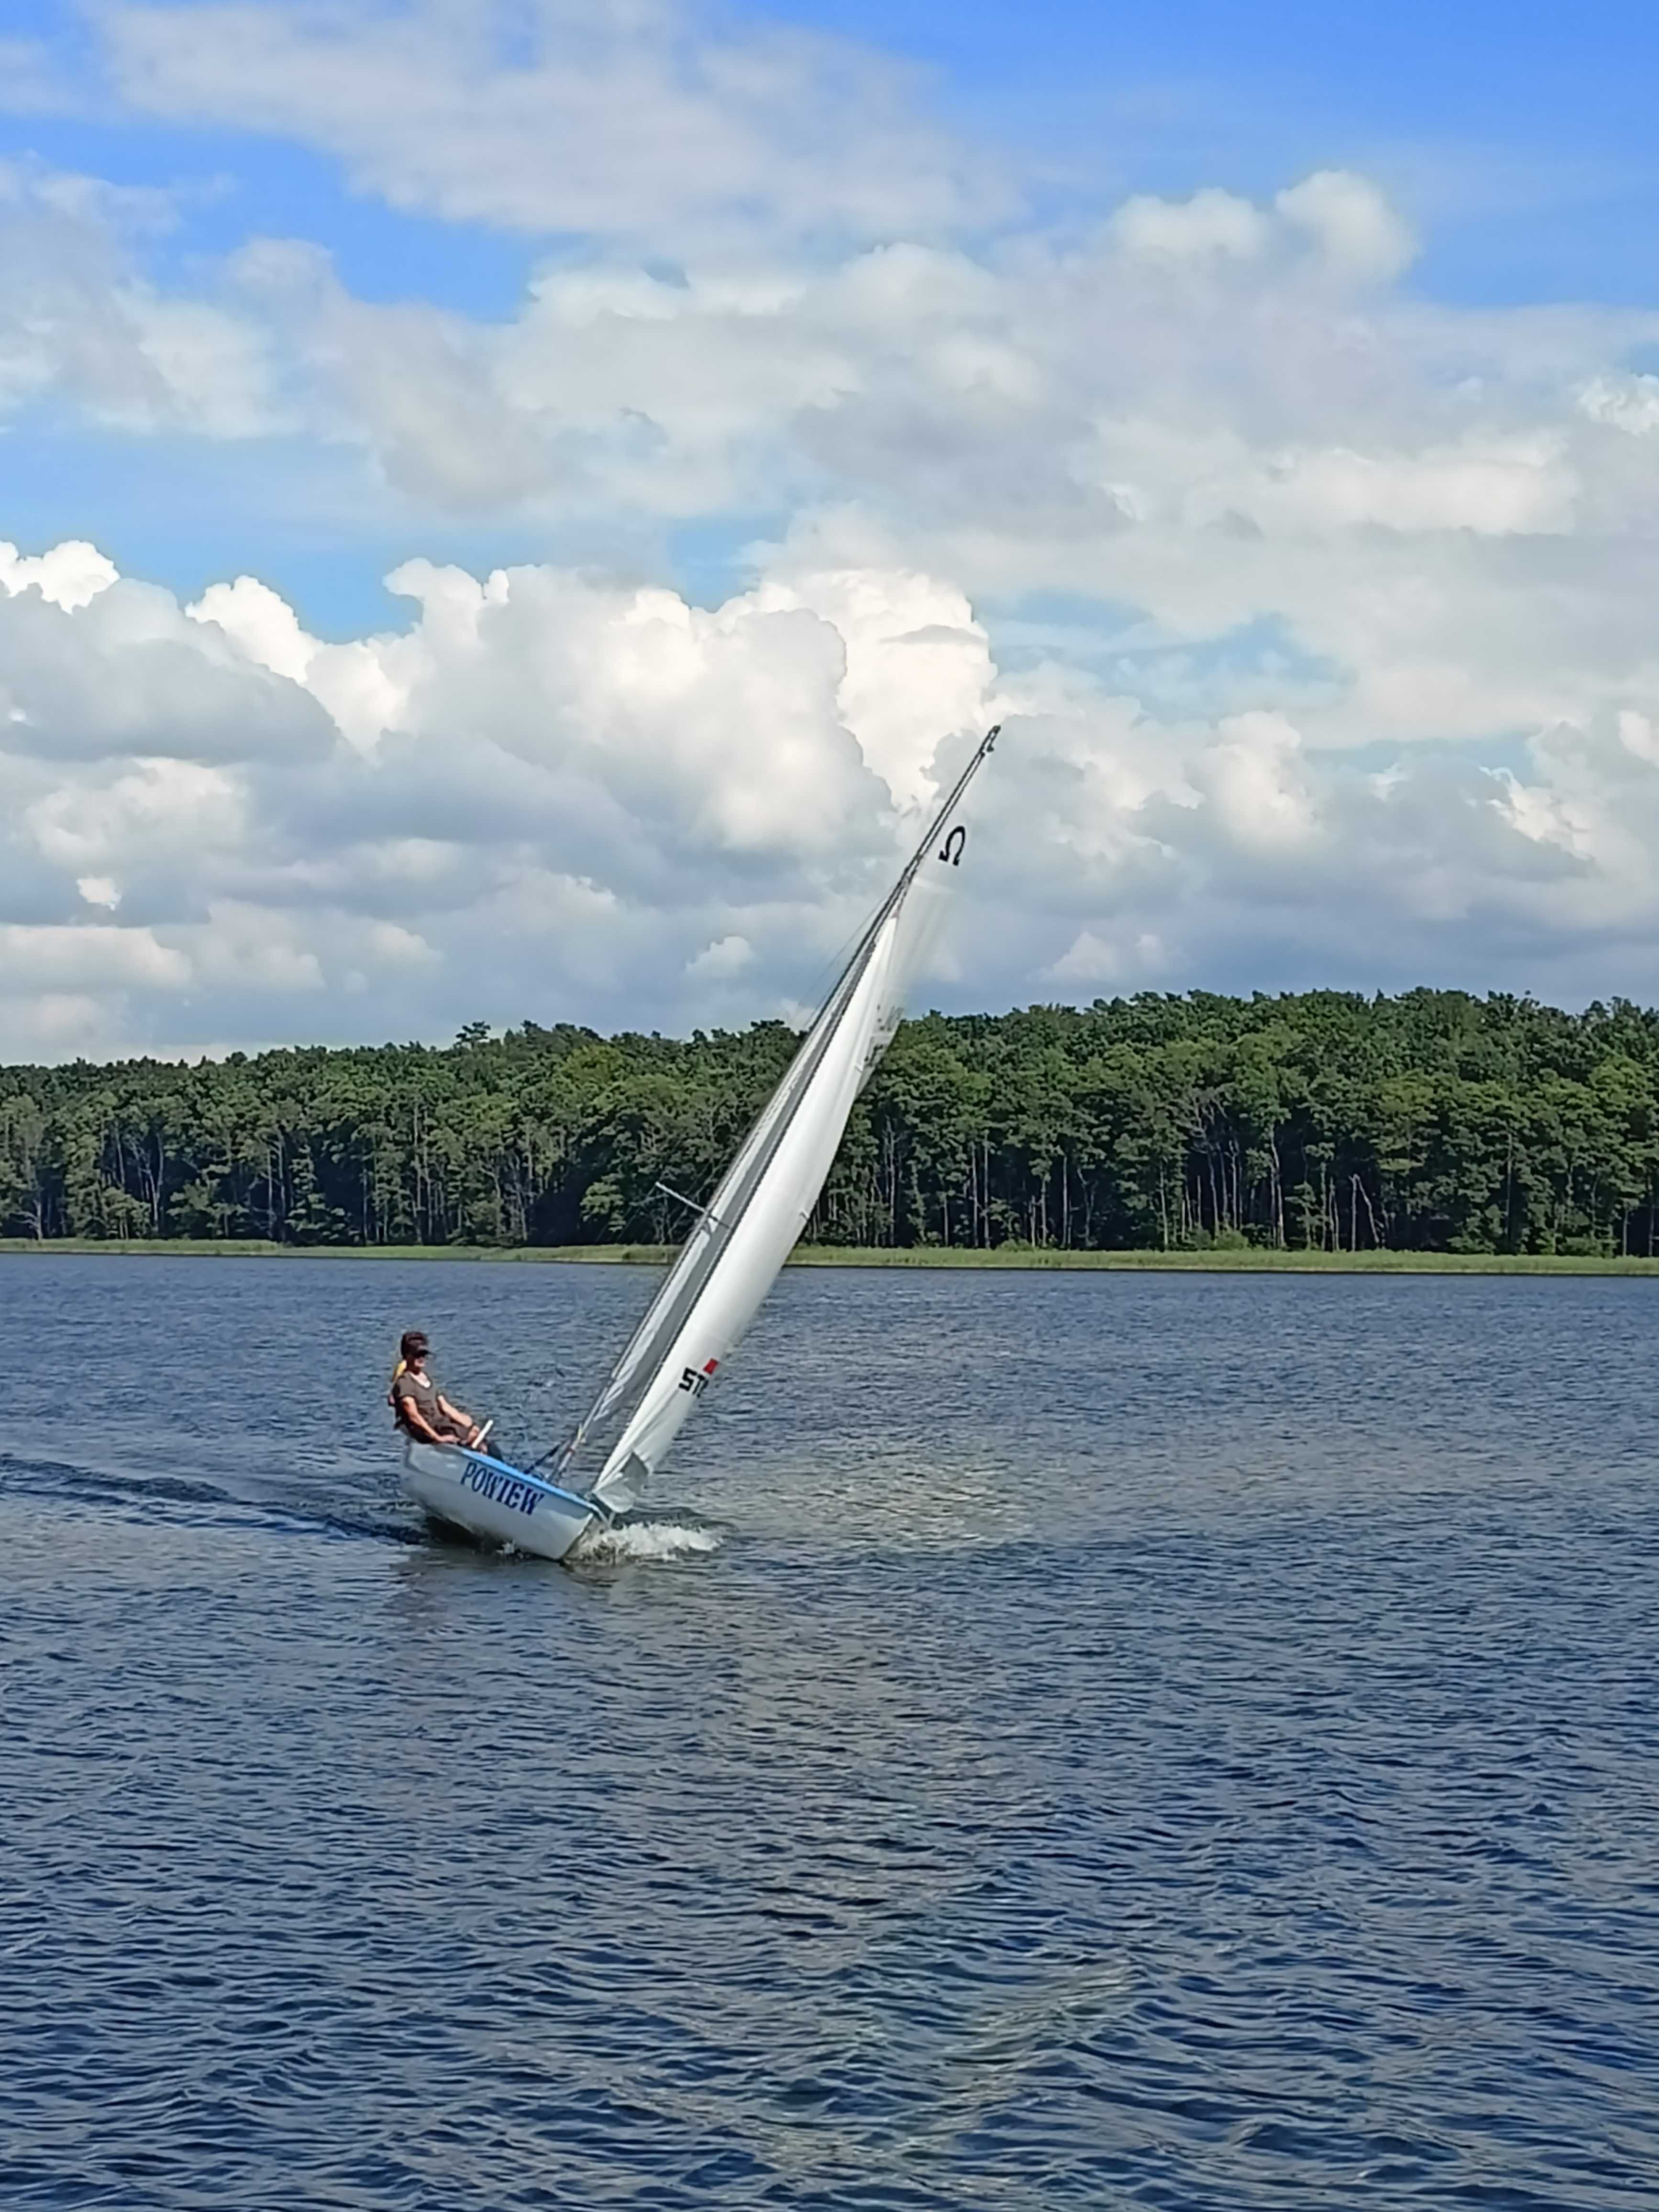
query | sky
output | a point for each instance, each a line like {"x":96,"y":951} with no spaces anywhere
{"x":510,"y":509}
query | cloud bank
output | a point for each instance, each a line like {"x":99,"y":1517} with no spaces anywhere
{"x":1319,"y":615}
{"x":549,"y":797}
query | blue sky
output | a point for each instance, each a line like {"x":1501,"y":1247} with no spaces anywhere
{"x":1520,"y":142}
{"x":1256,"y":407}
{"x":1487,"y":115}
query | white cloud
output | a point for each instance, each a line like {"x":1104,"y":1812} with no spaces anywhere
{"x":1496,"y":486}
{"x":719,"y":962}
{"x":600,"y":802}
{"x":252,"y":951}
{"x":1355,"y":235}
{"x":165,"y":812}
{"x":1253,"y":776}
{"x":1210,"y":223}
{"x":394,"y":946}
{"x":639,"y":117}
{"x":917,"y":665}
{"x":1629,"y":404}
{"x":1320,"y":616}
{"x":1360,"y":236}
{"x":53,"y":1025}
{"x":124,"y":672}
{"x":82,"y":326}
{"x":94,"y":956}
{"x":69,"y":575}
{"x":262,"y":623}
{"x":1095,"y":961}
{"x":568,"y":783}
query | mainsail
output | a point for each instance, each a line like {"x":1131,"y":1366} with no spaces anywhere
{"x":747,"y":1231}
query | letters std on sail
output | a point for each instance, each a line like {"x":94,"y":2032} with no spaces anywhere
{"x":767,"y":1195}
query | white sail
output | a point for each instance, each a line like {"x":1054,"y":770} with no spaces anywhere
{"x":728,"y":1264}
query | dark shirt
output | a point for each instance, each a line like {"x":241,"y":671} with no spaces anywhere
{"x":421,"y":1392}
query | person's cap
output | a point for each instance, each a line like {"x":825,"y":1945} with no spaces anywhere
{"x":414,"y":1346}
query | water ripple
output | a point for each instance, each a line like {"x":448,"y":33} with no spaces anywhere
{"x":1071,"y":1742}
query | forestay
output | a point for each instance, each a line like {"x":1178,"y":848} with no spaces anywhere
{"x":727,"y":1263}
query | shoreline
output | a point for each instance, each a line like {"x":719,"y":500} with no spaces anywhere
{"x":1254,"y":1261}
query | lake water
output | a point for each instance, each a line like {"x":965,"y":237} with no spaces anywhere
{"x":1057,"y":1739}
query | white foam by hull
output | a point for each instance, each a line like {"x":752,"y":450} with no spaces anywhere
{"x":490,"y":1499}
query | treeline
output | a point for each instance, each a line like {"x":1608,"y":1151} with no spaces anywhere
{"x":1433,"y":1122}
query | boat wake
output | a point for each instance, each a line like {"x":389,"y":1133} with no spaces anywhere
{"x":654,"y":1543}
{"x":193,"y":1496}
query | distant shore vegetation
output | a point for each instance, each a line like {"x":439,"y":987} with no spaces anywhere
{"x":1319,"y":1122}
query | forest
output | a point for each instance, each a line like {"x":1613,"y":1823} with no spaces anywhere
{"x":1434,"y":1120}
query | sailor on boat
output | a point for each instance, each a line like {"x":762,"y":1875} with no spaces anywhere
{"x":421,"y":1408}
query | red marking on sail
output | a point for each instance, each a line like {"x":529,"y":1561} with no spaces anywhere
{"x":709,"y":1365}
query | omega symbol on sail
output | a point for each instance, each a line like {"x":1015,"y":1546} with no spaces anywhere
{"x":955,"y":843}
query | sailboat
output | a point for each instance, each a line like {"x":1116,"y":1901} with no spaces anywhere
{"x":727,"y":1263}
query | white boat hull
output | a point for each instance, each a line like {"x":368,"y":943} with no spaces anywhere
{"x":490,"y":1499}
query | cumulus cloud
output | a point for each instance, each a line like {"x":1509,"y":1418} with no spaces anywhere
{"x":1320,"y":616}
{"x":568,"y":796}
{"x":1212,"y":224}
{"x":584,"y":801}
{"x":1340,"y":225}
{"x":1254,"y":777}
{"x":68,"y":575}
{"x":42,"y":956}
{"x":1360,"y":236}
{"x":719,"y":962}
{"x":350,"y":680}
{"x":124,"y":672}
{"x":1629,"y":404}
{"x":1093,"y":963}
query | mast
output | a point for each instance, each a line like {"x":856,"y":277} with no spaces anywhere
{"x":745,"y":1232}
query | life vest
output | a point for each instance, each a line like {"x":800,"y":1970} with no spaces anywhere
{"x":402,"y":1368}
